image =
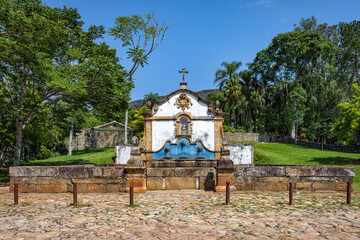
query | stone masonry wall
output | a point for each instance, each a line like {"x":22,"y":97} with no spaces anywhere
{"x":247,"y":137}
{"x":110,"y":136}
{"x":258,"y":137}
{"x":277,"y":177}
{"x":90,"y":178}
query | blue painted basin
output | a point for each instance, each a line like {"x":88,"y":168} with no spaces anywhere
{"x":183,"y":150}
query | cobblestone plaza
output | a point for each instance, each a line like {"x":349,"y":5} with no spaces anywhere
{"x":185,"y":214}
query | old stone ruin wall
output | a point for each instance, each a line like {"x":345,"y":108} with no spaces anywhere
{"x":99,"y":138}
{"x":92,"y":178}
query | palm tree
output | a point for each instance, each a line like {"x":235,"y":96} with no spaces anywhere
{"x":232,"y":92}
{"x":257,"y":102}
{"x":151,"y":97}
{"x":222,"y":75}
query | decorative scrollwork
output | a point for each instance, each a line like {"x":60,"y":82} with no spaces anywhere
{"x":183,"y":102}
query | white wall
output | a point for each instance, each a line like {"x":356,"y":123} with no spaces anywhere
{"x":122,"y":153}
{"x":204,"y":130}
{"x":241,"y":154}
{"x":169,"y":108}
{"x":162,"y":131}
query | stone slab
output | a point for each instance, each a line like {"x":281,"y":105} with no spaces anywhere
{"x":319,"y":171}
{"x":113,"y":172}
{"x":154,"y":183}
{"x":270,"y":186}
{"x":180,"y":183}
{"x":53,"y":188}
{"x":75,"y":171}
{"x":160,"y":172}
{"x":33,"y":171}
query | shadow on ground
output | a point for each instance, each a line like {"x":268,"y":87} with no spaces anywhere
{"x":338,"y":161}
{"x":55,"y":163}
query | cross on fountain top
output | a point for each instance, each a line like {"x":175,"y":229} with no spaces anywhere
{"x":183,"y":71}
{"x":183,"y":83}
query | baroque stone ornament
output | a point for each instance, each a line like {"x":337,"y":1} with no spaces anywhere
{"x":183,"y":102}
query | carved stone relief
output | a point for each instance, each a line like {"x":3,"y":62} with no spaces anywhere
{"x":183,"y":102}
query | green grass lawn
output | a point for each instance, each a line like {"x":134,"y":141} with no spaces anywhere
{"x":4,"y":176}
{"x":278,"y":153}
{"x":90,"y":156}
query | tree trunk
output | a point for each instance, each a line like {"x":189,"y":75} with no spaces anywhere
{"x":126,"y":126}
{"x":2,"y":156}
{"x":254,"y":119}
{"x":70,"y":137}
{"x":236,"y":117}
{"x":230,"y":118}
{"x":292,"y":132}
{"x":249,"y":121}
{"x":18,"y":144}
{"x":296,"y":128}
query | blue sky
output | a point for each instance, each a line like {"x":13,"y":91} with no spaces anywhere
{"x":205,"y":33}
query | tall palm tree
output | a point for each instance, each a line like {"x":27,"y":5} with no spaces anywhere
{"x":232,"y":92}
{"x":257,"y":102}
{"x":151,"y":97}
{"x":222,"y":75}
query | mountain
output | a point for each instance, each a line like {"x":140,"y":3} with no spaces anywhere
{"x":136,"y":104}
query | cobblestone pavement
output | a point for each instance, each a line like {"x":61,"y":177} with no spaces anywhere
{"x":180,"y":215}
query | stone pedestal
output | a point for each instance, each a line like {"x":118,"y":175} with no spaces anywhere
{"x":223,"y":175}
{"x":136,"y":172}
{"x":136,"y":178}
{"x":225,"y":170}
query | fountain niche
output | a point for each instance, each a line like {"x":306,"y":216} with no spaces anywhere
{"x":182,"y":146}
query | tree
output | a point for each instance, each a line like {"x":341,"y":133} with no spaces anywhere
{"x":296,"y":108}
{"x":138,"y":122}
{"x":32,"y":36}
{"x":151,"y":97}
{"x":222,"y":75}
{"x":347,"y":126}
{"x":141,"y":34}
{"x":42,"y":61}
{"x":7,"y":127}
{"x":297,"y":59}
{"x":349,"y":48}
{"x":232,"y":92}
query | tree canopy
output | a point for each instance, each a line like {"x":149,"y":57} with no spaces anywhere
{"x":300,"y":79}
{"x":46,"y":57}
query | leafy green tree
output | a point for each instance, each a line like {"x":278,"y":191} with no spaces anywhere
{"x":138,"y":122}
{"x":297,"y":59}
{"x":297,"y":108}
{"x":223,"y":75}
{"x":141,"y":34}
{"x":349,"y":49}
{"x":151,"y":97}
{"x":42,"y":61}
{"x":347,"y":126}
{"x":232,"y":92}
{"x":7,"y":127}
{"x":32,"y":37}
